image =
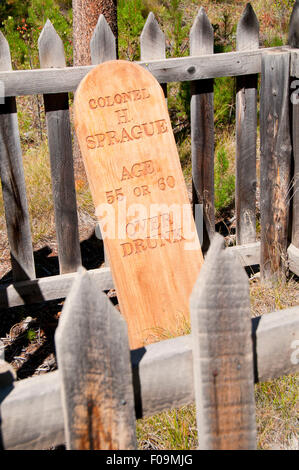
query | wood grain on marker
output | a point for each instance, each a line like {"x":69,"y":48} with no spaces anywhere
{"x":132,"y":163}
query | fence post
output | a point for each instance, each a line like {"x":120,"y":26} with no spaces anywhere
{"x":102,"y":48}
{"x":51,"y":54}
{"x":152,"y":43}
{"x":13,"y":182}
{"x":223,"y":353}
{"x":246,"y":132}
{"x":202,"y":129}
{"x":293,"y":41}
{"x":95,"y":369}
{"x":275,"y":164}
{"x":102,"y":43}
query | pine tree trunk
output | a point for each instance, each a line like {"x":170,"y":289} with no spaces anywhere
{"x":85,"y":17}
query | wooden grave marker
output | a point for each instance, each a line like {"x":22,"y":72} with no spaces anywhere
{"x":140,"y":196}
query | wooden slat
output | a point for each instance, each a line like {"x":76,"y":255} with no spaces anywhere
{"x":55,"y":80}
{"x":102,"y":44}
{"x":94,"y":362}
{"x":58,"y":287}
{"x":152,"y":43}
{"x":222,"y":353}
{"x":51,"y":54}
{"x":246,"y":133}
{"x":102,"y":48}
{"x":49,"y":288}
{"x":32,"y":415}
{"x":13,"y":182}
{"x":248,"y":254}
{"x":293,"y":258}
{"x":293,"y":41}
{"x":294,"y":63}
{"x":275,"y":164}
{"x":276,"y":349}
{"x":202,"y":129}
{"x":293,"y":37}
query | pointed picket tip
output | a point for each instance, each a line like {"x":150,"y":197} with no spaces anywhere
{"x":248,"y":30}
{"x":73,"y":298}
{"x":221,"y":334}
{"x":293,"y":39}
{"x":50,"y":46}
{"x":85,"y":297}
{"x":221,"y":273}
{"x":102,"y":43}
{"x":152,"y":40}
{"x":201,"y":35}
{"x":151,"y":29}
{"x":93,"y":358}
{"x":5,"y":57}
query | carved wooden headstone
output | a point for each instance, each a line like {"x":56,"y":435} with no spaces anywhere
{"x":141,"y":200}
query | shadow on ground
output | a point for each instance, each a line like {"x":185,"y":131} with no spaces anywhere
{"x":28,"y":331}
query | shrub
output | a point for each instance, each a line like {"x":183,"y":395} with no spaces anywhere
{"x":22,"y":32}
{"x":131,"y":16}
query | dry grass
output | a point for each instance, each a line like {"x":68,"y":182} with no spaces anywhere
{"x":277,"y":405}
{"x":267,"y":299}
{"x":277,"y":413}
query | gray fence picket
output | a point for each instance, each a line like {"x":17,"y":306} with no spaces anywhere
{"x":94,"y":362}
{"x":275,"y":167}
{"x":32,"y":413}
{"x":293,"y":41}
{"x":246,"y":133}
{"x":222,"y":353}
{"x":152,"y":43}
{"x":103,"y":43}
{"x":13,"y":182}
{"x":202,"y":128}
{"x":51,"y":53}
{"x":102,"y":48}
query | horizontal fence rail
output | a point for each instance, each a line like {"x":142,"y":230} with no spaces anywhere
{"x":200,"y":68}
{"x":32,"y":414}
{"x":58,"y":287}
{"x":49,"y":288}
{"x":67,"y":79}
{"x":164,"y":375}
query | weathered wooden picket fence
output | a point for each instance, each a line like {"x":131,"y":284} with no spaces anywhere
{"x":35,"y":412}
{"x":278,"y":67}
{"x":93,"y":399}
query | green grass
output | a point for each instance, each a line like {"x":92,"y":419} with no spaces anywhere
{"x":170,"y":430}
{"x":277,"y":414}
{"x":277,"y":405}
